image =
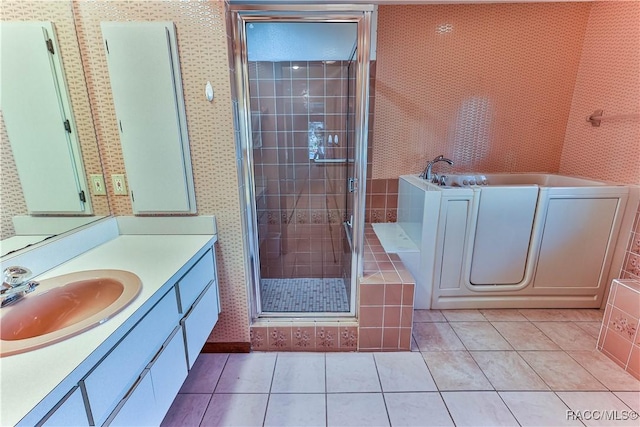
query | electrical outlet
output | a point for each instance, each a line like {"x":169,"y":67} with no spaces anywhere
{"x":119,"y":185}
{"x":97,"y":185}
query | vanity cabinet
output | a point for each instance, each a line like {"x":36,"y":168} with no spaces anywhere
{"x":203,"y":313}
{"x":111,"y":379}
{"x":150,"y":398}
{"x":137,"y":380}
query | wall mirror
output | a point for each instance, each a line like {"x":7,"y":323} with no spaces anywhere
{"x":45,"y":191}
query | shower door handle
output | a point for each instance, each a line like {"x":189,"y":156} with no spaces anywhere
{"x":352,"y":185}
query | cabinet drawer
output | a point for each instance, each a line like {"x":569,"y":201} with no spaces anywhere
{"x":199,"y":322}
{"x":69,"y":412}
{"x":192,"y":284}
{"x":111,"y":379}
{"x":138,"y":407}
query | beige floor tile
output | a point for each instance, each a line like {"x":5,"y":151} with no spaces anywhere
{"x":479,"y":336}
{"x":563,"y":314}
{"x":524,"y":336}
{"x":630,"y":398}
{"x":417,"y":410}
{"x":506,"y":370}
{"x":478,"y":408}
{"x":587,"y":403}
{"x":538,"y":409}
{"x":205,"y":373}
{"x":585,"y":315}
{"x":560,"y":371}
{"x":592,"y":328}
{"x":503,"y":315}
{"x":547,"y":314}
{"x":247,"y":373}
{"x":299,"y":373}
{"x":567,"y":335}
{"x":351,"y":372}
{"x":428,"y":316}
{"x":241,"y":410}
{"x":186,"y":410}
{"x":456,"y":370}
{"x":463,"y":316}
{"x":436,"y":337}
{"x":296,"y":410}
{"x":404,"y":371}
{"x":414,"y":345}
{"x":356,"y":409}
{"x":605,"y":370}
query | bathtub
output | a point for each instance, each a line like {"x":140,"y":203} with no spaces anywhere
{"x":514,"y":240}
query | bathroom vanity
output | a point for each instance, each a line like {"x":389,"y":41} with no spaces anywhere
{"x":127,"y":370}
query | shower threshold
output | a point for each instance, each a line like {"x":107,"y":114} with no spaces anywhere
{"x":304,"y":295}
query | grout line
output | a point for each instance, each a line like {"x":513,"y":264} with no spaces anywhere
{"x":273,"y":374}
{"x":326,"y":398}
{"x":224,"y":366}
{"x":386,"y":408}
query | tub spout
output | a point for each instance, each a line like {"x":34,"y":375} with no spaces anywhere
{"x":426,"y":174}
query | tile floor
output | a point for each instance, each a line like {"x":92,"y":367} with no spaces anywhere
{"x":467,"y":368}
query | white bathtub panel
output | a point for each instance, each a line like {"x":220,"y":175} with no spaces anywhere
{"x":574,"y":242}
{"x":411,"y":208}
{"x":453,"y":246}
{"x":503,"y":231}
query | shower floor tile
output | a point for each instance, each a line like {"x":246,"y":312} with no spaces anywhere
{"x":305,"y":295}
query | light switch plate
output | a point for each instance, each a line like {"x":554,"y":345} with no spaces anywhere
{"x":97,"y":185}
{"x":119,"y":185}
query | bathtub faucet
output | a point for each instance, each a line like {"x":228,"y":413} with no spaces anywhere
{"x":426,"y":174}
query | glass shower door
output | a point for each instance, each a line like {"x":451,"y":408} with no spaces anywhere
{"x":301,"y":162}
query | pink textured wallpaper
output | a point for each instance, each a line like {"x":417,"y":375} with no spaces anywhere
{"x":608,"y":79}
{"x":202,"y":45}
{"x":487,"y":85}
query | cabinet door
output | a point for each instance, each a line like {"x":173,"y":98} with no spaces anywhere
{"x":138,"y":408}
{"x":144,"y":70}
{"x":70,"y":412}
{"x":35,"y":106}
{"x":200,"y":321}
{"x":168,"y":372}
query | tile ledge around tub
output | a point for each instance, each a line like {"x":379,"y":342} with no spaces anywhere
{"x":378,"y":275}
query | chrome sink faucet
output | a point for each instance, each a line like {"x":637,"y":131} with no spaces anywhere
{"x":426,"y":174}
{"x":15,"y":285}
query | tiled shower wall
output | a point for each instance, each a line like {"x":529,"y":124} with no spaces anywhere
{"x":301,"y":203}
{"x":202,"y":45}
{"x":61,"y":14}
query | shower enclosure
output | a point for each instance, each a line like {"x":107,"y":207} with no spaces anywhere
{"x":302,"y":116}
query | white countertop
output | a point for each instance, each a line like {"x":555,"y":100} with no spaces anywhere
{"x":18,"y":242}
{"x":28,"y":378}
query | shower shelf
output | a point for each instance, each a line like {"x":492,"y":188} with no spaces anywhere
{"x":333,"y":160}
